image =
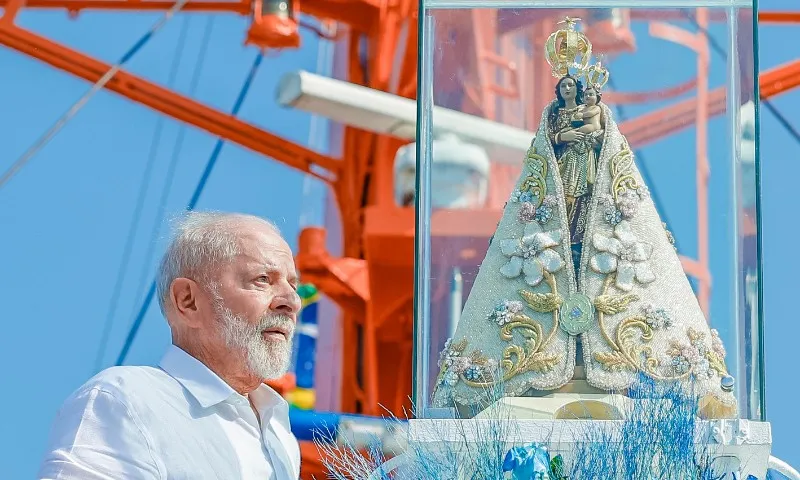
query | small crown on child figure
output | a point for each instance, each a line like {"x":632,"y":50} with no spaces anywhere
{"x":596,"y":76}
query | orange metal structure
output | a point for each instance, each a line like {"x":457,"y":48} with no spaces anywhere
{"x":373,"y":281}
{"x":361,"y":180}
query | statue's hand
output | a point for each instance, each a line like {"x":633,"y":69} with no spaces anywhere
{"x":571,"y":136}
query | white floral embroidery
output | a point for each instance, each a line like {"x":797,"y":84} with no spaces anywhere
{"x":455,"y":365}
{"x":716,"y":344}
{"x":450,"y":378}
{"x":684,"y":357}
{"x":628,"y":204}
{"x":504,"y":312}
{"x":532,"y":255}
{"x":625,"y":254}
{"x":611,"y":213}
{"x":657,"y":318}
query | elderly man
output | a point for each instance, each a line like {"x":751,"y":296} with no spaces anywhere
{"x":227,"y":287}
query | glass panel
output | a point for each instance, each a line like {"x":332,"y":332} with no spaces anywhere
{"x":752,"y":384}
{"x":677,"y":93}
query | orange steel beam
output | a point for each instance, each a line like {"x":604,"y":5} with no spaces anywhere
{"x":779,"y":79}
{"x":675,"y":14}
{"x":360,"y":15}
{"x":510,"y":20}
{"x":170,"y":103}
{"x":343,"y":280}
{"x":242,"y":7}
{"x":10,"y":10}
{"x":778,"y":17}
{"x":653,"y":126}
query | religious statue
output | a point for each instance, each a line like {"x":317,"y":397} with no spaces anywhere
{"x":580,"y":264}
{"x":577,"y":135}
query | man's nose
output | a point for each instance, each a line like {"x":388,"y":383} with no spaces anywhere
{"x":287,"y":302}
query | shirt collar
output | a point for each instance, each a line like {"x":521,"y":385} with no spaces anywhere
{"x":269,"y":403}
{"x":203,"y":384}
{"x":208,"y":389}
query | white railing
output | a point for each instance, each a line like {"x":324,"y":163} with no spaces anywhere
{"x":783,"y":468}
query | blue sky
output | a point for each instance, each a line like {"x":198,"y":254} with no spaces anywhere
{"x":66,"y":216}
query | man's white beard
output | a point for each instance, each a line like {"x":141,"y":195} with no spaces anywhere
{"x":267,"y":359}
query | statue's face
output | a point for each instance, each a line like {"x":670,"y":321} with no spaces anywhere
{"x":590,"y":96}
{"x":568,"y":89}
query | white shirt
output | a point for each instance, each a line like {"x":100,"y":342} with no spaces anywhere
{"x":180,"y":421}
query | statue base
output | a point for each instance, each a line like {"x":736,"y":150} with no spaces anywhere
{"x":559,"y":406}
{"x":733,"y":448}
{"x":577,"y":400}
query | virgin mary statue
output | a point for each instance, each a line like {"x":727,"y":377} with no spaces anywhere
{"x":580,"y":266}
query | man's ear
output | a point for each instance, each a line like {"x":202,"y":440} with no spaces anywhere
{"x":184,"y":294}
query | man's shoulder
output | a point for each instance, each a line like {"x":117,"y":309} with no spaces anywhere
{"x":122,"y":382}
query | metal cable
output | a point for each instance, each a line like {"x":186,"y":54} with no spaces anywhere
{"x":176,"y":151}
{"x":782,"y":120}
{"x":722,"y":53}
{"x":137,"y":213}
{"x":61,"y":122}
{"x":192,"y":203}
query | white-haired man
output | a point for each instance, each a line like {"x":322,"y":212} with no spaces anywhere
{"x":227,"y":287}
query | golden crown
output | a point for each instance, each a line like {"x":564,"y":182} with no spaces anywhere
{"x":569,"y":51}
{"x":596,"y":76}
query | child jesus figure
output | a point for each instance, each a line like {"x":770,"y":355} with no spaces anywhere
{"x":591,"y":111}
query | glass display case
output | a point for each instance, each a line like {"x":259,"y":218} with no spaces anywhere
{"x":587,"y":205}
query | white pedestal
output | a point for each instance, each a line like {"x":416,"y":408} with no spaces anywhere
{"x":743,"y":443}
